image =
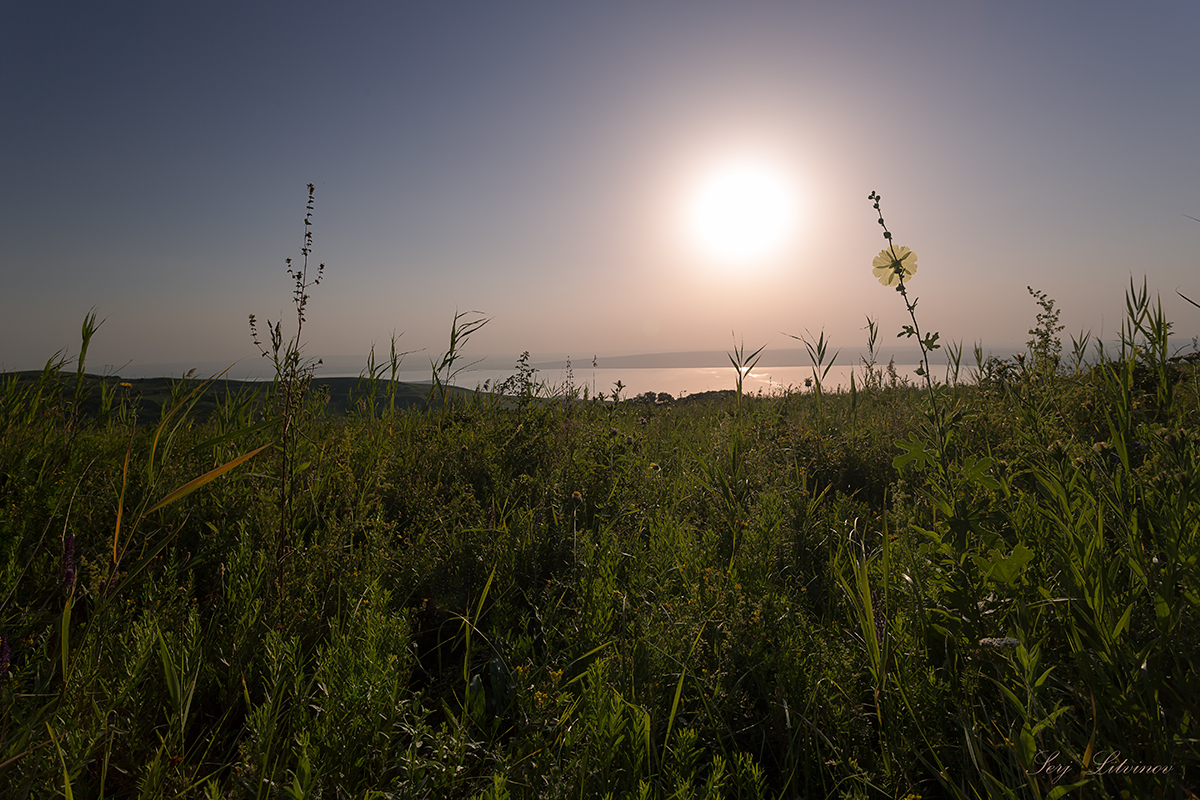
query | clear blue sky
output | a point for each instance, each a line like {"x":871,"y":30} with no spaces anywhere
{"x":530,"y":159}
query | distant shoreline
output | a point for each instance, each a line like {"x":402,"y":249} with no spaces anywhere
{"x":258,"y":369}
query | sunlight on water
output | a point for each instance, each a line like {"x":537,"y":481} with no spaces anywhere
{"x":676,"y":381}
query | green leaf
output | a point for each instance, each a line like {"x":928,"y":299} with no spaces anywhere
{"x":1012,"y":697}
{"x":1027,"y":746}
{"x":477,"y":700}
{"x":66,"y":635}
{"x":1042,"y":679}
{"x":62,"y":760}
{"x":1123,"y":623}
{"x":914,"y":451}
{"x":1007,"y":570}
{"x":172,"y":677}
{"x":976,"y":471}
{"x":1162,"y":609}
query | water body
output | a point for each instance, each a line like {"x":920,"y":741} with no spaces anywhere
{"x":678,"y":374}
{"x":677,"y":381}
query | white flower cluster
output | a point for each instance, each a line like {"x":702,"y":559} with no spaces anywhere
{"x":999,"y":644}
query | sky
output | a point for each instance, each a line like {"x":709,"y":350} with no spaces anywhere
{"x":533,"y":161}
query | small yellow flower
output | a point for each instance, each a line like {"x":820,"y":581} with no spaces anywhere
{"x":894,"y":263}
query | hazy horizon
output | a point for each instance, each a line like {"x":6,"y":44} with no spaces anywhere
{"x":678,"y":374}
{"x":534,"y":162}
{"x":259,"y":367}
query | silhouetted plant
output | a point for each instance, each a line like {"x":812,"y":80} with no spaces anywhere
{"x":445,"y":371}
{"x":371,"y":375}
{"x":742,"y":365}
{"x":1045,"y":348}
{"x":293,"y":375}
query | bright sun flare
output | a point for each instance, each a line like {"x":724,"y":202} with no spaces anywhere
{"x":741,"y":212}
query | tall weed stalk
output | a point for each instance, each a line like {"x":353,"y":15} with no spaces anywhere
{"x":293,"y":375}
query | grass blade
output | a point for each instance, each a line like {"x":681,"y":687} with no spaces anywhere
{"x":62,"y":760}
{"x":66,"y":636}
{"x":678,"y":692}
{"x":196,"y":483}
{"x":121,"y":500}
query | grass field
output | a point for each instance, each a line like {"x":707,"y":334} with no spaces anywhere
{"x":982,"y":589}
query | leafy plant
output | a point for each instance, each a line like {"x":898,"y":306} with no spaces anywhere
{"x":1045,"y":347}
{"x":817,"y":351}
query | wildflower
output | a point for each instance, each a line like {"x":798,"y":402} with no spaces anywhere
{"x":126,"y":384}
{"x":68,"y":573}
{"x":577,"y":497}
{"x":894,"y":265}
{"x":880,"y":620}
{"x":655,"y":467}
{"x":999,"y":644}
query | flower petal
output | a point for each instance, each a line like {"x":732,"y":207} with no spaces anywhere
{"x":893,"y":264}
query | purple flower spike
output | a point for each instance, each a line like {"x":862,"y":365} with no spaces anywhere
{"x":880,"y":619}
{"x":68,"y":573}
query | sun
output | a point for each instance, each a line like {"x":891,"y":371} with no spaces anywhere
{"x":741,"y":211}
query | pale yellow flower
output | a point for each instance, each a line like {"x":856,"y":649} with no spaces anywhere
{"x":893,"y":263}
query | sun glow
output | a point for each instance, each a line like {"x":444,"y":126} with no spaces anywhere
{"x":741,"y":211}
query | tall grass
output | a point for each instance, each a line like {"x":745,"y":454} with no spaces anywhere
{"x":986,"y":589}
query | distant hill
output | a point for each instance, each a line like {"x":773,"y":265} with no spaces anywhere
{"x":152,"y":393}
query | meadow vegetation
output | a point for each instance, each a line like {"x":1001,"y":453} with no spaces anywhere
{"x":983,"y":587}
